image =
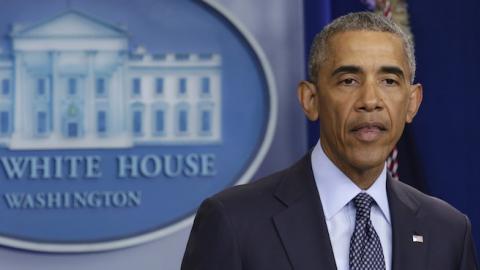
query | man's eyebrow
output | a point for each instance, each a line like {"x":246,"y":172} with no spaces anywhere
{"x":392,"y":70}
{"x":347,"y":69}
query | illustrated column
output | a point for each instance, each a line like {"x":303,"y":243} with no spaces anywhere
{"x":90,"y":110}
{"x":55,"y":96}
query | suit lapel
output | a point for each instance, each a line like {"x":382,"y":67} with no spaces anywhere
{"x":406,"y":222}
{"x":301,"y":226}
{"x":304,"y":234}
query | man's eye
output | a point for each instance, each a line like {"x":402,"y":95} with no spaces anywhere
{"x":348,"y":81}
{"x":390,"y":82}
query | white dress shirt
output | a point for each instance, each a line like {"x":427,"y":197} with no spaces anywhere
{"x":336,"y":192}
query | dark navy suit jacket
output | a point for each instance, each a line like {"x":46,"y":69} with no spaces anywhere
{"x":277,"y":223}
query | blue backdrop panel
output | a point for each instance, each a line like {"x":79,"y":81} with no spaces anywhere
{"x":160,"y":26}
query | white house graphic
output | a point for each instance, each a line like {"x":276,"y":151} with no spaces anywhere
{"x":71,"y":82}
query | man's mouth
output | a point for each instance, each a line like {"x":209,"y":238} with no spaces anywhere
{"x":368,"y":132}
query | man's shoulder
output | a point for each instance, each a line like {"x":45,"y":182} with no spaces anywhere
{"x":251,"y":195}
{"x":431,"y":207}
{"x":262,"y":195}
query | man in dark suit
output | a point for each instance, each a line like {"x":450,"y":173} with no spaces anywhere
{"x":337,"y":208}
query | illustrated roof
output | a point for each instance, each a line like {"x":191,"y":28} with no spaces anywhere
{"x":70,"y":23}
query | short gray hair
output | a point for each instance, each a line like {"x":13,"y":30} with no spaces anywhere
{"x":360,"y":21}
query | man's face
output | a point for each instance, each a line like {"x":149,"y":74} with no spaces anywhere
{"x":362,"y":99}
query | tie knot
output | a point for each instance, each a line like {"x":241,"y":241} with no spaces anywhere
{"x":363,"y":203}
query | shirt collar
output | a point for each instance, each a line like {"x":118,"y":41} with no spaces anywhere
{"x":336,"y":190}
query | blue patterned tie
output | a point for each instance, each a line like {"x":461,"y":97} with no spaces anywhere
{"x":365,"y":248}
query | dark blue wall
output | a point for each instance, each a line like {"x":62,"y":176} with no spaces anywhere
{"x":447,"y":129}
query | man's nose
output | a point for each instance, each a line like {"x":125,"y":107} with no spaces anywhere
{"x":369,"y":98}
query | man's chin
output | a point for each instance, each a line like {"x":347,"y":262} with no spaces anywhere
{"x":368,"y":160}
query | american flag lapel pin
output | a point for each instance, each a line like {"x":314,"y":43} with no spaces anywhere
{"x":417,"y":238}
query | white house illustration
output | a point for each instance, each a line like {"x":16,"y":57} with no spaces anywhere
{"x":71,"y":82}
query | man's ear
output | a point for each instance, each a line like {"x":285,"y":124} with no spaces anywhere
{"x":307,"y":96}
{"x":415,"y":99}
